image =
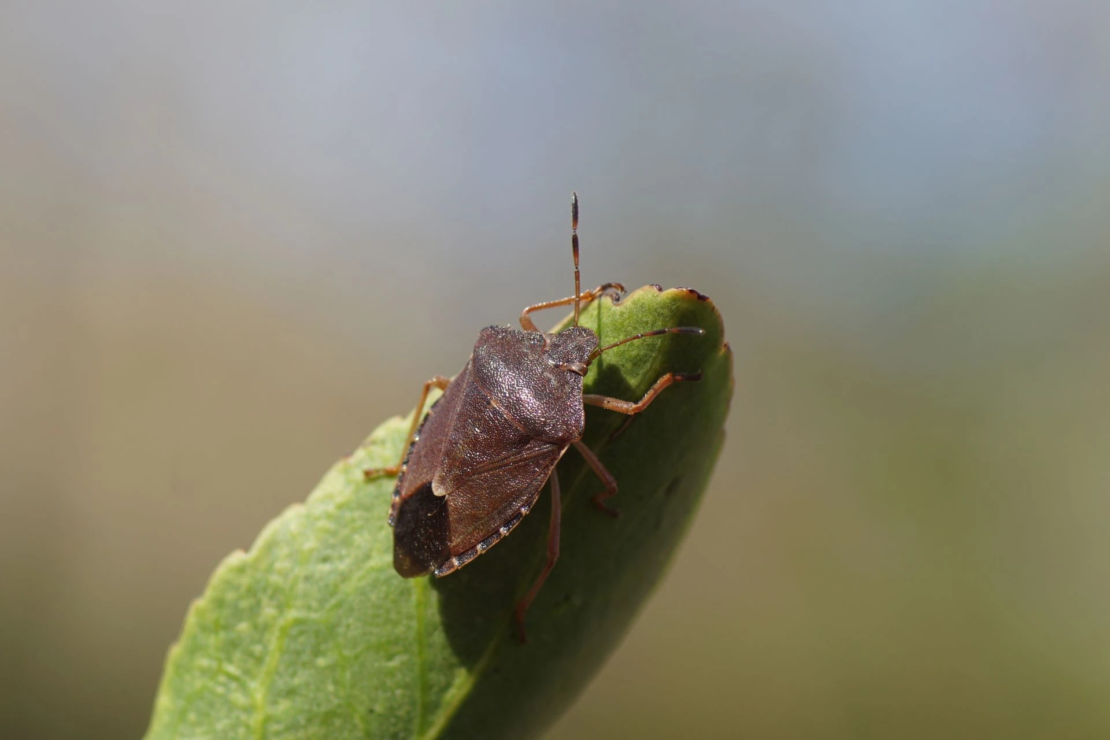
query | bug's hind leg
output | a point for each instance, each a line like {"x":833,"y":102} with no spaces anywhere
{"x":438,"y":381}
{"x":552,"y":556}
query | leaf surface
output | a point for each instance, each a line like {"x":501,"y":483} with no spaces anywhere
{"x":311,"y":634}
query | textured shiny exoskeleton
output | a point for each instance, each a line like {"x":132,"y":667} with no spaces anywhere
{"x":475,"y":465}
{"x":487,"y":447}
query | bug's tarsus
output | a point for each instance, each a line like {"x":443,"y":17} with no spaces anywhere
{"x":574,"y":248}
{"x":552,"y":557}
{"x":387,"y":471}
{"x":599,"y":501}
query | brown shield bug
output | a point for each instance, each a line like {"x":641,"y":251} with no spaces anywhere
{"x":474,"y":466}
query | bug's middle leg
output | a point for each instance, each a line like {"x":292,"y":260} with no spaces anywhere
{"x":438,"y":381}
{"x":603,"y":473}
{"x":552,"y":556}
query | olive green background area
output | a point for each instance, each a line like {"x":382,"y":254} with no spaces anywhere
{"x":311,"y":633}
{"x":235,"y":237}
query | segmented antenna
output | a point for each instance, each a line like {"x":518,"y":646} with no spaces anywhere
{"x":574,"y":248}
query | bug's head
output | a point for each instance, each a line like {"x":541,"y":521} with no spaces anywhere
{"x":571,"y":349}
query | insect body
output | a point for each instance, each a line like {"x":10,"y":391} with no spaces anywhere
{"x":475,"y":465}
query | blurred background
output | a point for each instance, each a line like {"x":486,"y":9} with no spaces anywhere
{"x":234,"y":237}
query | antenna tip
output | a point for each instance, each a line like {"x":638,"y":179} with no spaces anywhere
{"x":574,"y":209}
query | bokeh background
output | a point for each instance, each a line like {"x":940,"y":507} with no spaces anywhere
{"x":236,"y":236}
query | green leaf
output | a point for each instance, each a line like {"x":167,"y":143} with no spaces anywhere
{"x":312,"y":634}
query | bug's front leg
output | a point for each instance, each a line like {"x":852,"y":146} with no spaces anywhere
{"x":438,"y":381}
{"x":630,"y":407}
{"x":614,"y":289}
{"x":625,"y":407}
